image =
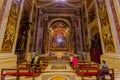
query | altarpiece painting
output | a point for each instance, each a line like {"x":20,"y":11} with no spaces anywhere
{"x":59,"y":37}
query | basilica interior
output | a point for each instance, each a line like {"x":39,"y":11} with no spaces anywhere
{"x":56,"y":29}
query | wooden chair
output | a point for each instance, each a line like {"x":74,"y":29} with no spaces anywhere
{"x":90,"y":65}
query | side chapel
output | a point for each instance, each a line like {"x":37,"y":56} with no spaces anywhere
{"x":89,"y":28}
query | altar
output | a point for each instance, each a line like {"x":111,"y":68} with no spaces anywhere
{"x":61,"y":55}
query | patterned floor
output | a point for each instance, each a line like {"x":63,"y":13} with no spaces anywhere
{"x":58,"y":67}
{"x":58,"y":78}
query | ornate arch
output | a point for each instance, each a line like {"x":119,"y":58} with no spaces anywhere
{"x":59,"y":19}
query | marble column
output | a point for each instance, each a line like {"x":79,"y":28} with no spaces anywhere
{"x":72,"y":38}
{"x":45,"y":36}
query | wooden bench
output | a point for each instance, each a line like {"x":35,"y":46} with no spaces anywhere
{"x":28,"y":65}
{"x":90,"y":65}
{"x":110,"y":73}
{"x":88,"y":72}
{"x":95,"y":72}
{"x":42,"y":65}
{"x":19,"y":71}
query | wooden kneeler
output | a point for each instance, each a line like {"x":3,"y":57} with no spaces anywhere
{"x":18,"y":72}
{"x":95,"y":72}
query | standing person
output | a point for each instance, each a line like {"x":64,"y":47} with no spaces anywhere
{"x":71,"y":58}
{"x":75,"y":62}
{"x":84,"y":56}
{"x":35,"y":60}
{"x":104,"y":66}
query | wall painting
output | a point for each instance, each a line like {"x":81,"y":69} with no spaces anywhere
{"x":59,"y":37}
{"x":10,"y":28}
{"x":105,"y":26}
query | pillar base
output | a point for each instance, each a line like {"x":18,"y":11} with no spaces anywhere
{"x":7,"y":60}
{"x":112,"y":60}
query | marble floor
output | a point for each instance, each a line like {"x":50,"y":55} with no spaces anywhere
{"x":66,"y":73}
